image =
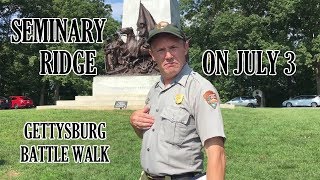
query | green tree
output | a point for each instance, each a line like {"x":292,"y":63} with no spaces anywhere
{"x":18,"y":76}
{"x":254,"y":25}
{"x":19,"y":65}
{"x":305,"y":33}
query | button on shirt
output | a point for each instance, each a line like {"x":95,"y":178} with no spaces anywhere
{"x":183,"y":121}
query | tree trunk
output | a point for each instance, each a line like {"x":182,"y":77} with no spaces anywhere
{"x":318,"y":77}
{"x":56,"y":92}
{"x":43,"y":88}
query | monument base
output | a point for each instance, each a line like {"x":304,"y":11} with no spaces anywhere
{"x":107,"y":90}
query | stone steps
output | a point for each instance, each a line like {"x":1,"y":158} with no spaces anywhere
{"x":105,"y":106}
{"x":97,"y":103}
{"x":106,"y":90}
{"x":132,"y":107}
{"x":109,"y":89}
{"x":113,"y":97}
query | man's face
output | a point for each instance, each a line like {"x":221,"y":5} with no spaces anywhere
{"x":169,"y":52}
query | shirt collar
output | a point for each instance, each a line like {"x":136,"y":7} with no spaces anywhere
{"x":183,"y":75}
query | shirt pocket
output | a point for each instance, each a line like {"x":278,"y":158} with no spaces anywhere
{"x":174,"y":125}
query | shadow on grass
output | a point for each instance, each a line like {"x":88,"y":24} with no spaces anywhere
{"x":2,"y":162}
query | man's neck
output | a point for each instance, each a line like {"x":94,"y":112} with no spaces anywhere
{"x":167,"y":81}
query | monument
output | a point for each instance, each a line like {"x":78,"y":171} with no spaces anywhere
{"x":127,"y":52}
{"x":259,"y":95}
{"x":128,"y":76}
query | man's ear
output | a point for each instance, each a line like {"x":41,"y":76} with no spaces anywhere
{"x":151,"y":54}
{"x":186,"y":47}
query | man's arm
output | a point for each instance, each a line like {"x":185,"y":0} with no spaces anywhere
{"x":216,"y":158}
{"x":140,"y":120}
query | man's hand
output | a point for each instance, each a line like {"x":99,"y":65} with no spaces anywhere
{"x":141,"y":120}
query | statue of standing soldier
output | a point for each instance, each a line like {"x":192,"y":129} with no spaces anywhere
{"x":108,"y":50}
{"x":113,"y":53}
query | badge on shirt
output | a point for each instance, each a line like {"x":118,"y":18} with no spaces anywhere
{"x":211,"y":98}
{"x":179,"y":98}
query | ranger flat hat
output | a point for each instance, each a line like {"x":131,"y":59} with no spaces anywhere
{"x":165,"y":27}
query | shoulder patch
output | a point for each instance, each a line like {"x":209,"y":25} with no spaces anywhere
{"x":211,"y":98}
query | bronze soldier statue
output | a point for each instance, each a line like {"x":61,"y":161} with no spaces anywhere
{"x":132,"y":56}
{"x":108,"y":59}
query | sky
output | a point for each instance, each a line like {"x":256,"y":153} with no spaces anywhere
{"x":116,"y":6}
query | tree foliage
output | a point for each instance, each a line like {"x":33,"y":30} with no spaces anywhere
{"x":258,"y":25}
{"x":224,"y":24}
{"x":19,"y":63}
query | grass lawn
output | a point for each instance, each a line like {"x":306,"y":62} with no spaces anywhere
{"x":262,"y":143}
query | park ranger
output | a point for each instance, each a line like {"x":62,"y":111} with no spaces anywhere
{"x":182,"y":115}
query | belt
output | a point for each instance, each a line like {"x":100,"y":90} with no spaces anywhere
{"x":184,"y":176}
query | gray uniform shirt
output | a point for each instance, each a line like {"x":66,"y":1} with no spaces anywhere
{"x":183,"y":121}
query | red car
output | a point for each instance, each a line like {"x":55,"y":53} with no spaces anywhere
{"x":21,"y":102}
